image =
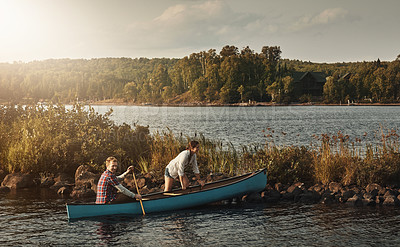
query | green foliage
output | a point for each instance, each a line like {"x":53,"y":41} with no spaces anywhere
{"x":55,"y":139}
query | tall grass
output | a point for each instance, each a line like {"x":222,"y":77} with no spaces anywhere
{"x":53,"y":139}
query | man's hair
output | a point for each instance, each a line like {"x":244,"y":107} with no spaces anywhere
{"x":110,"y":159}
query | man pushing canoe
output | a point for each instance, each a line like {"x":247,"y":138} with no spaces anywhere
{"x":108,"y":185}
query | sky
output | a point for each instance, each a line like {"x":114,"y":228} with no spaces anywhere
{"x":321,"y":31}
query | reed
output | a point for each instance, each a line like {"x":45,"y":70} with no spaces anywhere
{"x":53,"y":139}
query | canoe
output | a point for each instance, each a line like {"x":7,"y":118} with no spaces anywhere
{"x":177,"y":198}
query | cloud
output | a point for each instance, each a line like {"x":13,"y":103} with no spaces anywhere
{"x":193,"y":24}
{"x":326,"y":17}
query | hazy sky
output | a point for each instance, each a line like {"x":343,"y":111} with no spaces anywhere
{"x":308,"y":30}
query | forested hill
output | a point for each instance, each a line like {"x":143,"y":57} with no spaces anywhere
{"x":230,"y":76}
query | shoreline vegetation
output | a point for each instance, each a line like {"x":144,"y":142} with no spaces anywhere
{"x":51,"y":145}
{"x":230,"y":77}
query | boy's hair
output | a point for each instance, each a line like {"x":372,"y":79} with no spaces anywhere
{"x":192,"y":144}
{"x":110,"y":159}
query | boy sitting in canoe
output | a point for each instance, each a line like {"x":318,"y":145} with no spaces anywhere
{"x":108,"y":185}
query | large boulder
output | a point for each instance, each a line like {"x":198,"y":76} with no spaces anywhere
{"x":18,"y":181}
{"x":85,"y":174}
{"x":85,"y":183}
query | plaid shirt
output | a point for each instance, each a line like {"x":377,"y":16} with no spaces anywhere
{"x":106,"y":191}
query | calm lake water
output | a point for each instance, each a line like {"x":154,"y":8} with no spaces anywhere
{"x":292,"y":125}
{"x":36,"y":218}
{"x":39,"y":218}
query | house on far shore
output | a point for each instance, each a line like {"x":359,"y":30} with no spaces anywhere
{"x":308,"y":83}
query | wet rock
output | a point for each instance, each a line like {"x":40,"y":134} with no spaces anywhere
{"x":252,"y":197}
{"x":18,"y":181}
{"x":293,"y":192}
{"x":310,"y":197}
{"x":368,"y":202}
{"x":328,"y":198}
{"x":354,"y":201}
{"x":4,"y":189}
{"x":271,"y":196}
{"x":347,"y":194}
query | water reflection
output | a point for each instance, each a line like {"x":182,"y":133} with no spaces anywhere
{"x":181,"y":230}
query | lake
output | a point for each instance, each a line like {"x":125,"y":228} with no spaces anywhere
{"x":38,"y":217}
{"x":291,"y":125}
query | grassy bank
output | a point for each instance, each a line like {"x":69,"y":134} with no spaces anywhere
{"x":52,"y":139}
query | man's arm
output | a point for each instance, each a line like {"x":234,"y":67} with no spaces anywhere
{"x":127,"y":192}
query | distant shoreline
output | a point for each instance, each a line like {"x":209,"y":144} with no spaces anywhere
{"x":201,"y":104}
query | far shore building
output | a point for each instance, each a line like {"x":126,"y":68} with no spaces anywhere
{"x":309,"y":83}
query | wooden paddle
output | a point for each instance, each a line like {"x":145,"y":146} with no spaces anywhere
{"x":137,"y":188}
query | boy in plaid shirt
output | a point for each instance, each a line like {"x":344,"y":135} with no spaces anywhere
{"x":108,"y":185}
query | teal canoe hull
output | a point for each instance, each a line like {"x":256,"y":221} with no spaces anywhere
{"x":212,"y":192}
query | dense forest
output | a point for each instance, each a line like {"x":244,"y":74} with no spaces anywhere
{"x":230,"y":76}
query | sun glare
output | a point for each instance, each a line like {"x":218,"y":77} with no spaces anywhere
{"x":20,"y":26}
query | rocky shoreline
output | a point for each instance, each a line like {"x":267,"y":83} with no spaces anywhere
{"x":83,"y":186}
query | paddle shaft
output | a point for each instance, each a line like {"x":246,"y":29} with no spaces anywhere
{"x":137,"y":189}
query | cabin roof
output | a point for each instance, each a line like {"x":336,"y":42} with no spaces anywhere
{"x":319,"y":76}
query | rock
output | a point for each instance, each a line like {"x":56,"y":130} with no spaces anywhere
{"x":64,"y":190}
{"x":271,"y":196}
{"x":141,"y":182}
{"x":64,"y":178}
{"x":279,"y":187}
{"x":310,"y":197}
{"x":328,"y":197}
{"x":368,"y":202}
{"x":4,"y":189}
{"x":18,"y":181}
{"x":354,"y":201}
{"x":370,"y":187}
{"x":379,"y":200}
{"x":319,"y":188}
{"x":47,"y":182}
{"x":348,"y":194}
{"x":295,"y":186}
{"x":335,"y":187}
{"x":369,"y":196}
{"x":391,"y":200}
{"x":2,"y":175}
{"x":252,"y":197}
{"x":85,"y":174}
{"x":389,"y":193}
{"x":83,"y":193}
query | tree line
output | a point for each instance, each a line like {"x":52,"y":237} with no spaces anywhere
{"x":230,"y":76}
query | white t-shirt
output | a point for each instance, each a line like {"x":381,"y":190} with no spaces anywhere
{"x":176,"y":167}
